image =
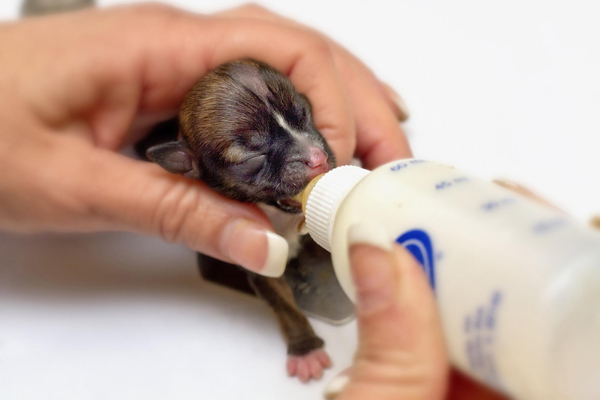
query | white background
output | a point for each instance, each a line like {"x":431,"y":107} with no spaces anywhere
{"x":506,"y":89}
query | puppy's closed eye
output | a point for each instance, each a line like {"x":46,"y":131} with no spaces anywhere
{"x":249,"y":168}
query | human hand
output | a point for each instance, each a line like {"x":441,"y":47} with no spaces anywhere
{"x":74,"y":86}
{"x":376,"y":108}
{"x":401,"y":353}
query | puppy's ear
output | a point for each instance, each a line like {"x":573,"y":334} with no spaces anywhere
{"x":175,"y":157}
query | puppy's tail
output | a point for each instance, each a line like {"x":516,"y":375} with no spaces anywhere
{"x":44,"y":7}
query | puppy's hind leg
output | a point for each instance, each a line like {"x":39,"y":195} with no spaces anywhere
{"x":306,"y":357}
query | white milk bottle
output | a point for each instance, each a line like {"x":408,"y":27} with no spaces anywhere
{"x":517,"y":283}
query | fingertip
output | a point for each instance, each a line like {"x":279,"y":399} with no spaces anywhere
{"x":383,"y":145}
{"x":141,"y":197}
{"x":396,"y":101}
{"x":337,"y":384}
{"x":523,"y":191}
{"x":254,"y":247}
{"x":380,"y":138}
{"x":342,"y":140}
{"x":595,"y":222}
{"x":414,"y":283}
{"x":372,"y":273}
{"x":369,"y":233}
{"x":277,"y":255}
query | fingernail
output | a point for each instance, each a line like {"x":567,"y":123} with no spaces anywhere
{"x":505,"y":183}
{"x":255,"y":248}
{"x":336,"y":385}
{"x":371,"y":265}
{"x":402,"y":108}
{"x":523,"y":191}
{"x":516,"y":188}
{"x":302,"y":228}
{"x":369,"y":233}
{"x":595,"y":222}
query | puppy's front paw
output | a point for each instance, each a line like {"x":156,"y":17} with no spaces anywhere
{"x":308,"y":366}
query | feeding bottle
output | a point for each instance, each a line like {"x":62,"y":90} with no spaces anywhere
{"x":517,"y":283}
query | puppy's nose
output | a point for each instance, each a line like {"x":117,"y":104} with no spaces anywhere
{"x":317,"y":162}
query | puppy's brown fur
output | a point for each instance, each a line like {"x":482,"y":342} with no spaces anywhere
{"x":247,"y":133}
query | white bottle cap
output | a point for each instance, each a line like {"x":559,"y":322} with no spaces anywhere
{"x":325,"y":198}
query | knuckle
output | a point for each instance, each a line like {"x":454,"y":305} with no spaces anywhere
{"x":145,"y":15}
{"x":319,"y":45}
{"x":154,"y":8}
{"x":173,"y":212}
{"x":253,"y":8}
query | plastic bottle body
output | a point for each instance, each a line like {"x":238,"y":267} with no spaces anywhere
{"x":517,"y":283}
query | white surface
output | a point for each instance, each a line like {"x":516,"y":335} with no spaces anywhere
{"x":118,"y":316}
{"x":499,"y":89}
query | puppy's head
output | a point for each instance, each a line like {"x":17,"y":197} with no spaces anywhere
{"x":248,"y":134}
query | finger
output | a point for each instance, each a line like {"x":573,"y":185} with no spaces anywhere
{"x":309,"y":64}
{"x":515,"y":187}
{"x":395,"y":101}
{"x":337,"y":384}
{"x":389,"y":285}
{"x":377,"y":108}
{"x":295,"y":51}
{"x":595,"y":222}
{"x":124,"y":194}
{"x":154,"y":74}
{"x":380,"y":138}
{"x":401,"y":350}
{"x":256,"y":11}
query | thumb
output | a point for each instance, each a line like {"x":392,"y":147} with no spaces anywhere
{"x":131,"y":195}
{"x":401,"y":353}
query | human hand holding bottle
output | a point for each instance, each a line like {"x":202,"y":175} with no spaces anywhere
{"x":401,"y":353}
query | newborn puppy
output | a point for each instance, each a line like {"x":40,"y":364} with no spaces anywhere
{"x":246,"y":132}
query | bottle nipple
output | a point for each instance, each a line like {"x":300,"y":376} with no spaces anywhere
{"x":302,"y":197}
